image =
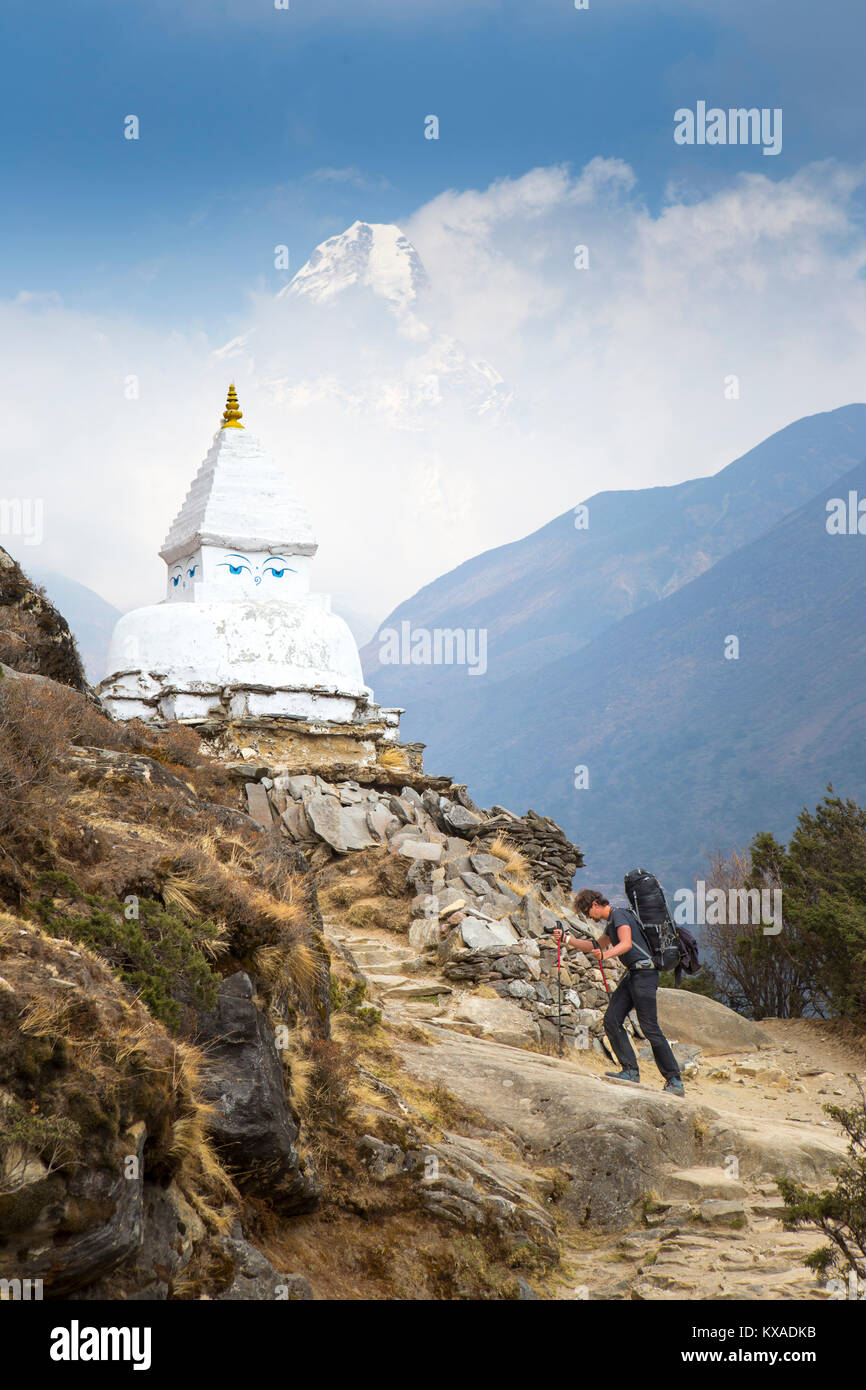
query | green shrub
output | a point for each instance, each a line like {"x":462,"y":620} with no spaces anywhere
{"x":839,"y":1213}
{"x":704,"y":982}
{"x":23,"y":1136}
{"x":159,"y":954}
{"x":349,"y":1000}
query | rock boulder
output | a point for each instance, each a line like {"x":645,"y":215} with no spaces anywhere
{"x":252,"y":1125}
{"x":692,"y":1018}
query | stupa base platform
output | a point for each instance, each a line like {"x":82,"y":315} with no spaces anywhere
{"x":141,"y":695}
{"x":366,"y":751}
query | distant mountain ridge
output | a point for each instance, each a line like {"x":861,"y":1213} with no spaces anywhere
{"x":687,"y":751}
{"x":549,"y":593}
{"x":605,"y":651}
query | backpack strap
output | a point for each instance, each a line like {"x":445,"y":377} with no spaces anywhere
{"x":635,"y":944}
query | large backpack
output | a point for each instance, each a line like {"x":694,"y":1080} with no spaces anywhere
{"x":647,"y":901}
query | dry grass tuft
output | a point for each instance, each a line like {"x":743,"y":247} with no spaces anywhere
{"x":262,"y":907}
{"x":296,"y":1060}
{"x":97,"y":1060}
{"x":45,"y":1016}
{"x":176,"y":892}
{"x":366,"y":913}
{"x":514,"y":862}
{"x":202,"y":1177}
{"x":292,"y":966}
{"x":36,"y":720}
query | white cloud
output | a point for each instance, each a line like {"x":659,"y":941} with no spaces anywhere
{"x":617,"y":374}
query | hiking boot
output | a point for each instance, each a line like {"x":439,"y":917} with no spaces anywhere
{"x":674,"y":1087}
{"x":627,"y":1074}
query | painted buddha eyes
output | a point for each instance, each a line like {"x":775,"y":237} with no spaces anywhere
{"x":275,"y":565}
{"x":179,"y":576}
{"x":236,"y":564}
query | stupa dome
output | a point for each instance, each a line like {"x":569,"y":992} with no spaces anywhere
{"x":239,"y":634}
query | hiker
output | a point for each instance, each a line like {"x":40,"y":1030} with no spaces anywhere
{"x":637,"y":989}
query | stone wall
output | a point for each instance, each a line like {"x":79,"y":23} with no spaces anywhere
{"x":546,"y":847}
{"x":253,"y":749}
{"x":360,"y":812}
{"x":525,"y":973}
{"x":478,"y":917}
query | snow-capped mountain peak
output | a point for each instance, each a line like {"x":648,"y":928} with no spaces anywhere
{"x":375,"y":254}
{"x":403,"y":368}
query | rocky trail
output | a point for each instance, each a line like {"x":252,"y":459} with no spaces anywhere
{"x":701,"y":1170}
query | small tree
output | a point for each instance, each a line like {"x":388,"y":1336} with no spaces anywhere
{"x":816,"y":966}
{"x":840,"y":1213}
{"x":823,"y":877}
{"x":50,"y":1139}
{"x":753,"y":975}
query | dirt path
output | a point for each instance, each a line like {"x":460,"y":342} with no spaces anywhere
{"x":704,"y":1168}
{"x":815,"y":1069}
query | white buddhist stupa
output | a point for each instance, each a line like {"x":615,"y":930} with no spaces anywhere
{"x":239,"y":635}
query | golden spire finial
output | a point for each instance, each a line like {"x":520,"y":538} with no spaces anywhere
{"x":231,"y":415}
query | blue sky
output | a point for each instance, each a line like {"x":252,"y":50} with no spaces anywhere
{"x":261,"y":126}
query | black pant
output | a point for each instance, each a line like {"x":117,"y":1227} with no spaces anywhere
{"x":637,"y":990}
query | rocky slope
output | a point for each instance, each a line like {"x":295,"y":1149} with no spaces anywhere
{"x":90,"y":617}
{"x":650,"y":1197}
{"x":34,"y":637}
{"x":665,"y":1194}
{"x":143,"y":1097}
{"x":273,"y":1034}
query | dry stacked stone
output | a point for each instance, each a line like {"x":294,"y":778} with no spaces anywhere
{"x":552,"y":858}
{"x":469,"y":915}
{"x":571,"y":998}
{"x":348,"y":815}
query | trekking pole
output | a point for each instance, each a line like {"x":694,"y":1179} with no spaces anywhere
{"x":559,"y":991}
{"x":601,"y":968}
{"x":604,"y":1047}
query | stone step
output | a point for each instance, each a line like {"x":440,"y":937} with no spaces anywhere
{"x":417,"y":989}
{"x":386,"y":968}
{"x":767,"y":1207}
{"x":370,"y":955}
{"x":701,"y":1184}
{"x":724,"y":1212}
{"x":385,"y":983}
{"x":420,"y":1008}
{"x":472,"y":1030}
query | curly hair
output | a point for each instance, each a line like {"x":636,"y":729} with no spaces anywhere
{"x":585,"y":899}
